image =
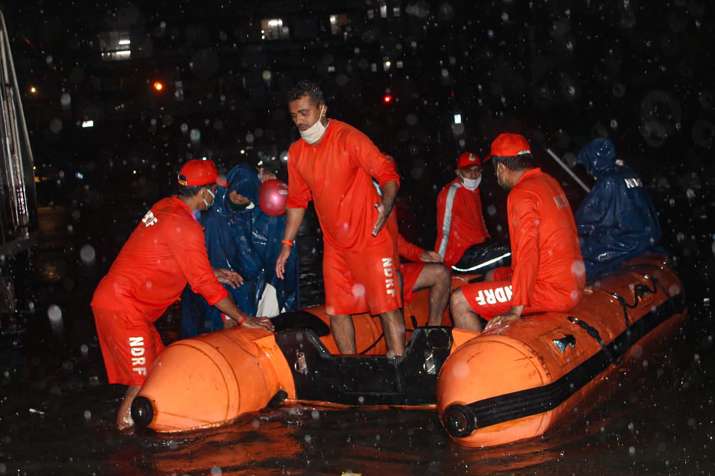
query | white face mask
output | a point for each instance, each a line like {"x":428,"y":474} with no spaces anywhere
{"x":471,"y":184}
{"x":313,"y":134}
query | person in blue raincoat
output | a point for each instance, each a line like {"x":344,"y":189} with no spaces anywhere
{"x":616,"y":221}
{"x":240,"y":237}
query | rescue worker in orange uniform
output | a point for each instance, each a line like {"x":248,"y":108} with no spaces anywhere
{"x":165,"y":251}
{"x":333,"y":164}
{"x":424,"y":269}
{"x":547,"y":272}
{"x":460,"y":223}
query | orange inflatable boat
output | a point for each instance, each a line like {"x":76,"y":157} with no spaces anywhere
{"x":490,"y":388}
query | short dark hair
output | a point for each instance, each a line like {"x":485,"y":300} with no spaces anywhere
{"x":308,"y":88}
{"x":515,"y":162}
{"x":190,"y":191}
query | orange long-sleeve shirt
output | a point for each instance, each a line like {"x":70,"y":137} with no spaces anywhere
{"x":546,"y":259}
{"x":460,"y":223}
{"x":336,"y":173}
{"x":164,"y":252}
{"x":408,"y":250}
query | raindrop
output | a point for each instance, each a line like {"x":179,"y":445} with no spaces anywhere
{"x":66,"y":100}
{"x":87,"y":254}
{"x":184,"y":128}
{"x":632,"y":450}
{"x":56,"y":125}
{"x":249,"y":138}
{"x":216,"y":471}
{"x":87,"y":415}
{"x":195,"y":135}
{"x":358,"y":290}
{"x":49,"y":59}
{"x":54,"y":313}
{"x":84,"y":350}
{"x":315,"y":414}
{"x":266,"y":75}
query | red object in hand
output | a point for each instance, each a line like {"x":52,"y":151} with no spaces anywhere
{"x":272,"y":197}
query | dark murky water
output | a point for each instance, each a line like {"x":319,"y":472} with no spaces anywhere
{"x":57,"y":412}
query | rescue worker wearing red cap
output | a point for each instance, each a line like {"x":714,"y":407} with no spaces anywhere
{"x":333,"y":164}
{"x":164,"y":252}
{"x":460,"y":223}
{"x":547,"y":272}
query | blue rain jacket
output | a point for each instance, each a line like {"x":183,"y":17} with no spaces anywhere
{"x":247,"y":241}
{"x":616,"y":221}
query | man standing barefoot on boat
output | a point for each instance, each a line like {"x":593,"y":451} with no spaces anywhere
{"x":165,"y":251}
{"x":333,"y":164}
{"x":547,"y":271}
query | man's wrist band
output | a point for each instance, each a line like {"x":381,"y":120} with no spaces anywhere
{"x":288,"y":242}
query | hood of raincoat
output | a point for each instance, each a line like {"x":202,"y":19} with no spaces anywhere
{"x":243,"y":179}
{"x":598,"y":156}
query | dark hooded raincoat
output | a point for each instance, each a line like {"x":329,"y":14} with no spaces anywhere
{"x":616,"y":221}
{"x":245,"y":240}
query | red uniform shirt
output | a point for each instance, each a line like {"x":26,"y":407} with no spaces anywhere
{"x":546,"y":259}
{"x":408,"y":250}
{"x":336,"y":173}
{"x":164,"y":251}
{"x":460,"y":223}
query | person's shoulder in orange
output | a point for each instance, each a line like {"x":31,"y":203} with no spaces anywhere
{"x":173,"y":210}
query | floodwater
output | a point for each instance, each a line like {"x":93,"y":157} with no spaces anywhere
{"x":57,"y":412}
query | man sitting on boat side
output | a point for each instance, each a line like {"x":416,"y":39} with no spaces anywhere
{"x":424,"y":269}
{"x":547,"y":271}
{"x":617,"y":220}
{"x":460,"y":223}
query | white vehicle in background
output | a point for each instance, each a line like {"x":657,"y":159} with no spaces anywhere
{"x":18,"y":215}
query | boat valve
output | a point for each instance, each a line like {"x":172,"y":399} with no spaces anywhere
{"x":142,"y":412}
{"x":459,"y":420}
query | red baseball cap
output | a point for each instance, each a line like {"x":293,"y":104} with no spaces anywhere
{"x":196,"y":173}
{"x":468,"y":159}
{"x":508,"y":144}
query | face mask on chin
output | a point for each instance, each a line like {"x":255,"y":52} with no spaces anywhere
{"x":313,"y":134}
{"x":471,"y":184}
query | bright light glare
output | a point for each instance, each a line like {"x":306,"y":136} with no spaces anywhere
{"x":86,"y":124}
{"x":457,"y":118}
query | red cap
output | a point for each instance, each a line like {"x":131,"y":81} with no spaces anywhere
{"x":507,"y":144}
{"x":468,"y":159}
{"x":196,"y":173}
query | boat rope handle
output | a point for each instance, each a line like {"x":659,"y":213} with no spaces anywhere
{"x":639,"y":290}
{"x":593,"y":332}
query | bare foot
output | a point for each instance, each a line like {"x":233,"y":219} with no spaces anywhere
{"x":124,"y":414}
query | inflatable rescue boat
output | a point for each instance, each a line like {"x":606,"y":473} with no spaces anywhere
{"x":490,"y":388}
